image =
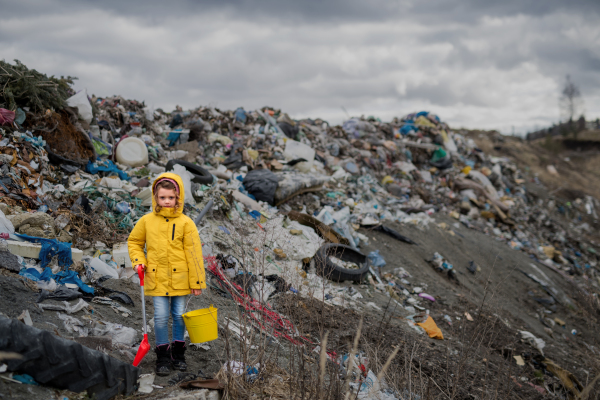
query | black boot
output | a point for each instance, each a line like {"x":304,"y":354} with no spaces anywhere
{"x":178,"y":355}
{"x":163,"y":360}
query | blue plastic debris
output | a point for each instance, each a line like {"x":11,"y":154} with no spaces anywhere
{"x":62,"y":277}
{"x":26,"y":379}
{"x":240,"y":115}
{"x":105,"y":166}
{"x":376,"y":259}
{"x":51,"y":248}
{"x":255,"y":214}
{"x":174,"y":137}
{"x":123,"y":207}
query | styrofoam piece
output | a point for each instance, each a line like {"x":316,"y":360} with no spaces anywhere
{"x":121,"y":255}
{"x":32,"y":250}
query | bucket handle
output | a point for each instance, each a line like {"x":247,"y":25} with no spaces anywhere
{"x":188,"y":302}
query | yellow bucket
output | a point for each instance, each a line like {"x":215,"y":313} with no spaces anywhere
{"x":202,"y":324}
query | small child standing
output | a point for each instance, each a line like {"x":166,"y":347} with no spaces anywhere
{"x":174,"y":267}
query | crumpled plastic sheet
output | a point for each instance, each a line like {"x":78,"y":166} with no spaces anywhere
{"x":533,"y":341}
{"x":105,"y":166}
{"x":6,"y":117}
{"x":291,"y":183}
{"x":51,"y":248}
{"x":60,"y":293}
{"x":61,"y":277}
{"x":114,"y":305}
{"x":66,"y":307}
{"x":120,"y":334}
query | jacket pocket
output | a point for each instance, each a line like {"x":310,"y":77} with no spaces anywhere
{"x":173,"y":234}
{"x":150,"y":278}
{"x":180,"y":278}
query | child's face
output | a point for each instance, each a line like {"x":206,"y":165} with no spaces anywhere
{"x":166,"y":197}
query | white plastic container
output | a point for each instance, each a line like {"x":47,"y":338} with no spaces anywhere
{"x":132,"y":151}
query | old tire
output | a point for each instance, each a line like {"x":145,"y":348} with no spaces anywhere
{"x":201,"y":175}
{"x":65,"y":364}
{"x":326,"y":268}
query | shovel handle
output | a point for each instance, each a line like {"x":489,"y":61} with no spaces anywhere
{"x":140,"y":271}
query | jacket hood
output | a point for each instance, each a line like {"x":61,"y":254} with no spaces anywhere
{"x":169,"y":212}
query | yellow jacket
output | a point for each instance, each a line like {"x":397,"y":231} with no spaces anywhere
{"x":174,"y":263}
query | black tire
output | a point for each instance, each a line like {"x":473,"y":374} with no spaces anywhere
{"x":65,"y":364}
{"x":329,"y":270}
{"x":201,"y":175}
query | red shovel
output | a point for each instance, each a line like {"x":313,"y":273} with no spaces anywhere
{"x":144,"y":346}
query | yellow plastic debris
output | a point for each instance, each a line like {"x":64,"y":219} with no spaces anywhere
{"x":253,"y":154}
{"x":431,"y":328}
{"x":387,"y":179}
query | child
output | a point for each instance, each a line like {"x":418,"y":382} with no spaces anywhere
{"x":173,"y":266}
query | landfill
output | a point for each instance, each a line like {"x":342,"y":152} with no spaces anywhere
{"x":436,"y":246}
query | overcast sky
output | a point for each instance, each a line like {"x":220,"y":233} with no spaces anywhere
{"x":476,"y":63}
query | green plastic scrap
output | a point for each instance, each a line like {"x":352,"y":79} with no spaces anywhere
{"x":438,"y":155}
{"x":101,"y":148}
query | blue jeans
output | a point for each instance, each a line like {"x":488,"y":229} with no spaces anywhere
{"x":161,"y":318}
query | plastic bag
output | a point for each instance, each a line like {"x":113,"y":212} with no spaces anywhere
{"x":149,"y":113}
{"x":186,"y":177}
{"x":294,"y":150}
{"x":50,"y":285}
{"x":80,"y":100}
{"x":118,"y":333}
{"x":66,"y":307}
{"x":5,"y":225}
{"x":6,"y":117}
{"x":376,"y":259}
{"x":262,"y":184}
{"x":101,"y":268}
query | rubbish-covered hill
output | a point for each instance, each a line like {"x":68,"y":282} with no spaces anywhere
{"x":566,"y":165}
{"x":466,"y":268}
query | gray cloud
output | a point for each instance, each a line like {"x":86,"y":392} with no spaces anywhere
{"x":476,"y":63}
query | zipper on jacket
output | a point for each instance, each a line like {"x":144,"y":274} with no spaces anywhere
{"x":173,"y":235}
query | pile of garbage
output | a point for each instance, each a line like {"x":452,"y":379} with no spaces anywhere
{"x":81,"y":174}
{"x":287,"y":197}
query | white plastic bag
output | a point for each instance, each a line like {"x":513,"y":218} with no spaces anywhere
{"x":80,"y":100}
{"x":149,"y":113}
{"x":294,"y":150}
{"x":186,"y":177}
{"x":101,"y":268}
{"x":533,"y":341}
{"x":5,"y":225}
{"x":119,"y":333}
{"x":50,"y":285}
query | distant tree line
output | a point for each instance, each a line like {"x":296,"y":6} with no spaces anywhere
{"x":565,"y":128}
{"x":570,"y":105}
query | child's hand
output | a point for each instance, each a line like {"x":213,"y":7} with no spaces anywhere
{"x":196,"y":292}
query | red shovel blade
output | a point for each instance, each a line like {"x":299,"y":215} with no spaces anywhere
{"x":142,"y":351}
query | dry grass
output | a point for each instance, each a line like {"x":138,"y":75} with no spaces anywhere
{"x":474,"y":362}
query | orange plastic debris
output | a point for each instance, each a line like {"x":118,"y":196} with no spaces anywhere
{"x":431,"y":328}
